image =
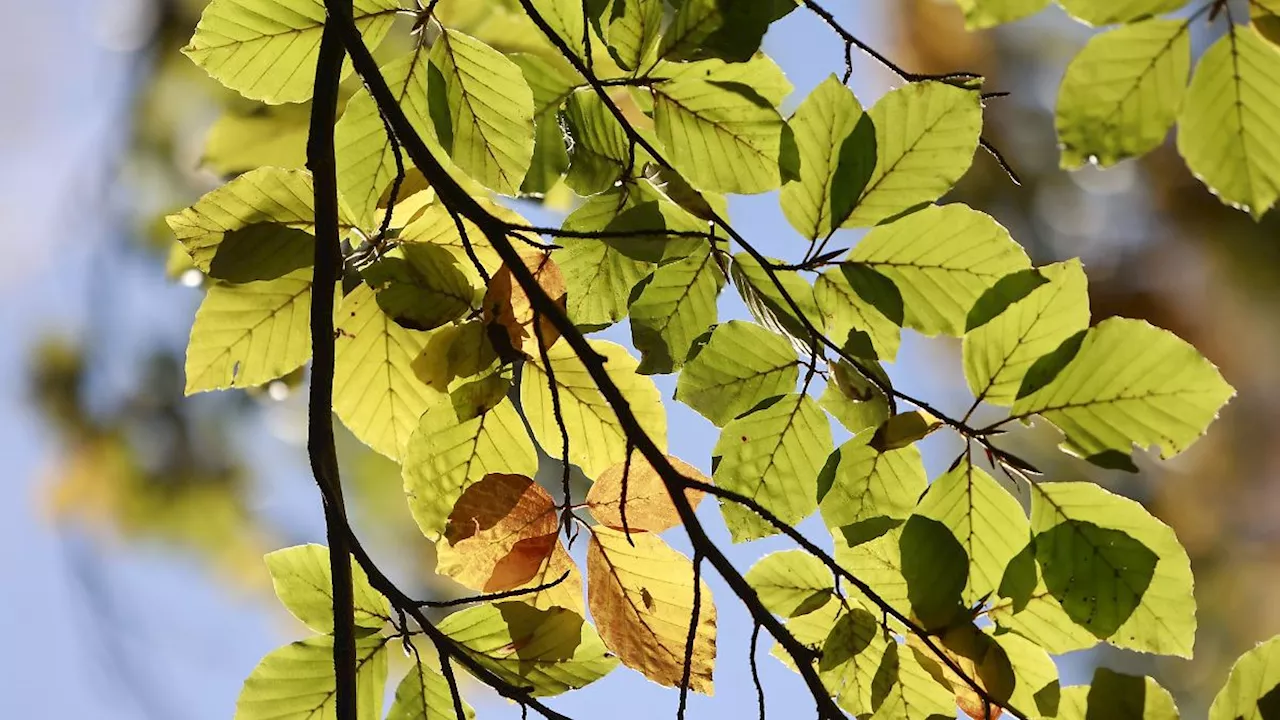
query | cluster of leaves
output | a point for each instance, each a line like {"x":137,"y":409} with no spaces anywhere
{"x":1128,"y":86}
{"x":939,"y":595}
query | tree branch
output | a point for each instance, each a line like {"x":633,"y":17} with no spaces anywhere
{"x":320,"y":446}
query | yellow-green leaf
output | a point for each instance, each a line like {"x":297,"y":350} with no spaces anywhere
{"x":741,"y":365}
{"x":303,"y":582}
{"x":1116,"y":695}
{"x":296,"y":682}
{"x":1107,"y":12}
{"x":673,"y":309}
{"x":988,"y":13}
{"x":791,"y":583}
{"x":1250,"y":690}
{"x":424,"y":694}
{"x":829,"y":128}
{"x":865,"y":492}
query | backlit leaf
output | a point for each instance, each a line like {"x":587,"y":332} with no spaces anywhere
{"x":424,"y":694}
{"x":1250,"y":690}
{"x":741,"y":365}
{"x":566,"y":593}
{"x":772,"y":455}
{"x":1107,"y":12}
{"x":596,"y":439}
{"x":296,"y":682}
{"x":856,"y":300}
{"x":632,"y":29}
{"x":988,"y":13}
{"x":376,"y":393}
{"x":942,"y":259}
{"x":865,"y":493}
{"x":1229,"y":129}
{"x":791,"y":583}
{"x":1122,"y":92}
{"x":676,"y":306}
{"x":445,"y":456}
{"x":828,"y":128}
{"x":649,"y":505}
{"x":642,"y":599}
{"x":303,"y":582}
{"x":549,"y":651}
{"x":1115,"y":696}
{"x":266,"y":49}
{"x":421,"y":286}
{"x":500,"y":533}
{"x":509,"y":310}
{"x":1128,"y":383}
{"x":264,"y":135}
{"x":1116,"y":570}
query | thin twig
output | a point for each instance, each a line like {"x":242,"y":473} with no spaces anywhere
{"x":694,"y":616}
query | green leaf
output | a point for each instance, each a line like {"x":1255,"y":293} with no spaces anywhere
{"x":1116,"y":570}
{"x":857,"y":300}
{"x":303,"y":582}
{"x":853,"y":648}
{"x":878,"y":563}
{"x":942,"y":259}
{"x":926,"y":135}
{"x":741,"y":365}
{"x":549,"y":651}
{"x":566,"y":19}
{"x":722,"y":136}
{"x":247,"y":335}
{"x":266,"y":49}
{"x":1026,"y":607}
{"x":435,"y":226}
{"x":1230,"y":124}
{"x":1036,"y":687}
{"x":488,"y":116}
{"x":421,"y":286}
{"x":596,"y":438}
{"x":256,"y":227}
{"x":675,"y":307}
{"x":376,"y":393}
{"x":769,"y":306}
{"x":261,"y":136}
{"x":296,"y":682}
{"x":632,"y":29}
{"x":550,"y":85}
{"x":915,"y":694}
{"x":759,"y":72}
{"x":772,"y":455}
{"x":791,"y":583}
{"x":864,"y":493}
{"x":1122,"y":92}
{"x":424,"y":694}
{"x":446,"y":456}
{"x":980,"y":14}
{"x":984,"y":518}
{"x":831,"y":133}
{"x":998,"y":353}
{"x":600,"y":152}
{"x":728,"y":29}
{"x":1115,"y":696}
{"x":1129,"y":383}
{"x":1250,"y":691}
{"x":366,"y":159}
{"x":1265,"y":17}
{"x":1108,"y":12}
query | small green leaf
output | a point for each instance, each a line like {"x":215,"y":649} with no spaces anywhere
{"x":853,"y":400}
{"x":1108,"y":12}
{"x":599,"y":155}
{"x":791,"y":583}
{"x":267,"y":49}
{"x":304,"y":584}
{"x":989,"y":13}
{"x":759,"y":72}
{"x":728,"y":29}
{"x":244,"y":139}
{"x":296,"y":682}
{"x":903,"y":430}
{"x":446,"y":455}
{"x":1250,"y":691}
{"x":675,"y":307}
{"x":855,"y":300}
{"x":864,"y":493}
{"x":740,"y":366}
{"x":722,"y":136}
{"x":424,"y":694}
{"x":769,"y":306}
{"x":632,"y":29}
{"x":942,"y":259}
{"x":915,"y":693}
{"x":998,"y":353}
{"x":420,"y":286}
{"x":549,"y":651}
{"x":376,"y":393}
{"x":1129,"y":383}
{"x":830,"y":132}
{"x":566,"y":19}
{"x":1117,"y":571}
{"x":925,"y":136}
{"x":772,"y":455}
{"x":1230,"y":124}
{"x":489,"y":111}
{"x":250,"y":334}
{"x":596,"y":439}
{"x":1122,"y":92}
{"x":550,"y":85}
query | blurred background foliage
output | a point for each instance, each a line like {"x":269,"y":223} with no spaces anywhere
{"x":138,"y":466}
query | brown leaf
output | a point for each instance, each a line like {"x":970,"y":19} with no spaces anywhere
{"x":649,"y":505}
{"x":981,"y":658}
{"x":507,"y":306}
{"x":500,"y":533}
{"x":565,"y":594}
{"x":642,"y":599}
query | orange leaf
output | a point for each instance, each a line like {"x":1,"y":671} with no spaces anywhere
{"x":565,"y":594}
{"x":507,"y":306}
{"x":649,"y":505}
{"x":500,"y":533}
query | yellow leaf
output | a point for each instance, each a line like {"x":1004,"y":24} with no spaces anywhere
{"x":642,"y":600}
{"x":500,"y":533}
{"x":649,"y":505}
{"x":565,"y":594}
{"x":508,"y":306}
